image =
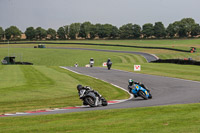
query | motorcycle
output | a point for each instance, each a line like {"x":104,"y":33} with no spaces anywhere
{"x":109,"y":64}
{"x":91,"y":62}
{"x":138,"y":90}
{"x":90,"y":98}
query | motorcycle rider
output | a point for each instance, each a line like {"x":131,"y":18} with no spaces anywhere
{"x":87,"y":88}
{"x":91,"y":62}
{"x":131,"y":86}
{"x":108,"y":62}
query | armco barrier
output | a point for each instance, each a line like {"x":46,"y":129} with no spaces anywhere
{"x":177,"y":61}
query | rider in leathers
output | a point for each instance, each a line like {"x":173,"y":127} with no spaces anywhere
{"x":131,"y":86}
{"x":87,"y":88}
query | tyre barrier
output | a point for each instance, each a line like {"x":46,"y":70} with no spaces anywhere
{"x":177,"y":61}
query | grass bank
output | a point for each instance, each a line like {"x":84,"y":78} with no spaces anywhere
{"x":67,"y":57}
{"x":165,"y":119}
{"x":25,"y":88}
{"x":181,"y":44}
{"x":189,"y":72}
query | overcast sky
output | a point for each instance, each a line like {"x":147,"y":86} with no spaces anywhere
{"x":56,"y":13}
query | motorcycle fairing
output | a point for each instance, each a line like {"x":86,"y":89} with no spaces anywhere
{"x":137,"y":88}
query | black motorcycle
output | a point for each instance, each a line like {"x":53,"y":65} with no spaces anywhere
{"x":91,"y":98}
{"x":109,"y":64}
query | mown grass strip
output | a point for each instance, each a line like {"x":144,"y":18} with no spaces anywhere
{"x":165,"y":119}
{"x":189,"y":72}
{"x":47,"y":87}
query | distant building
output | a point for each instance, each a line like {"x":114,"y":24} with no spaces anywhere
{"x":23,"y":36}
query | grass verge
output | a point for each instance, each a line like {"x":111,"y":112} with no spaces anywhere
{"x":165,"y":119}
{"x":189,"y":72}
{"x":26,"y":88}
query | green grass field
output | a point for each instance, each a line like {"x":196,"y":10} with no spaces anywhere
{"x":65,"y":57}
{"x":182,"y":44}
{"x":165,"y":119}
{"x":62,"y":57}
{"x":45,"y":85}
{"x":25,"y":88}
{"x":189,"y":72}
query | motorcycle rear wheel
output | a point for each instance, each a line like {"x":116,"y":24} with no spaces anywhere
{"x":104,"y":102}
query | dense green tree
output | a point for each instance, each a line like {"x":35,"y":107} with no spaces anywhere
{"x":115,"y":32}
{"x":52,"y":33}
{"x":30,"y":33}
{"x":74,"y":30}
{"x":93,"y":31}
{"x":171,"y":30}
{"x":85,"y":30}
{"x":66,"y":27}
{"x":195,"y":30}
{"x":159,"y":30}
{"x":185,"y":27}
{"x":136,"y":31}
{"x":99,"y":30}
{"x":148,"y":30}
{"x":126,"y":31}
{"x":13,"y":32}
{"x":108,"y":29}
{"x":61,"y":33}
{"x":1,"y":33}
{"x":105,"y":30}
{"x":40,"y":33}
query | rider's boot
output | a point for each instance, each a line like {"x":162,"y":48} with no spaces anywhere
{"x":84,"y":103}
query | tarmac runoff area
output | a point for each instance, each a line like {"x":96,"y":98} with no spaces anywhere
{"x":165,"y":91}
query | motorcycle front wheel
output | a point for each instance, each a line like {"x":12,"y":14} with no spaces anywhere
{"x":150,"y":96}
{"x":90,"y":101}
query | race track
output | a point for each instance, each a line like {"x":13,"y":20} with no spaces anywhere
{"x":165,"y":90}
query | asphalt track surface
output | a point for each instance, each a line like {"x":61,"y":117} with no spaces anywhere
{"x":165,"y":90}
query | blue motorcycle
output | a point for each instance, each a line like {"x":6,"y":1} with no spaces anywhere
{"x":138,"y":90}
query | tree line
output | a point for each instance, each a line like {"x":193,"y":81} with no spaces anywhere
{"x":187,"y":27}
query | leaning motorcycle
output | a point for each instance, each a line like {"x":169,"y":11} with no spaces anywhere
{"x":91,"y":99}
{"x":137,"y":90}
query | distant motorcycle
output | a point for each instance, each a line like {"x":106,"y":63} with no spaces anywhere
{"x":109,"y":64}
{"x":92,"y":98}
{"x":91,"y":62}
{"x":138,"y":90}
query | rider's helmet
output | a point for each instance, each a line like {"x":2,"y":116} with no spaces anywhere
{"x":91,"y":59}
{"x":130,"y":81}
{"x":79,"y":87}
